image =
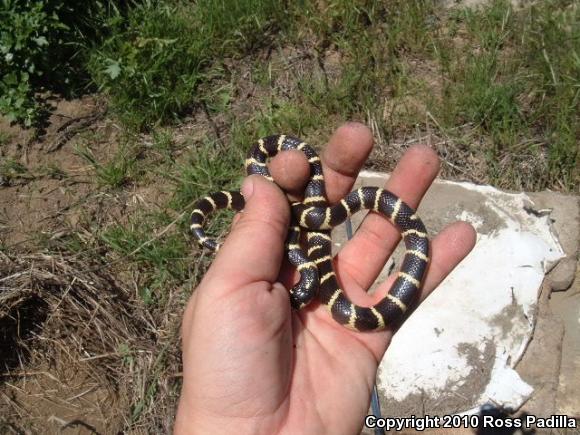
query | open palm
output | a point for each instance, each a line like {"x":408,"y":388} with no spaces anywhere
{"x":251,"y":365}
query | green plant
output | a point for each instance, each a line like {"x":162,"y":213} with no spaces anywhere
{"x":515,"y":77}
{"x":11,"y":170}
{"x":4,"y":137}
{"x":283,"y":115}
{"x":550,"y":41}
{"x":23,"y":42}
{"x":163,"y":143}
{"x":209,"y":167}
{"x":162,"y":255}
{"x":42,"y":48}
{"x":152,"y":64}
{"x":53,"y":170}
{"x":114,"y":173}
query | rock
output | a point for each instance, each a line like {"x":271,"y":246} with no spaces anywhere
{"x":562,"y":275}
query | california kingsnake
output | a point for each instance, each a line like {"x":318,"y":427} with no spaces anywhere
{"x":315,"y":217}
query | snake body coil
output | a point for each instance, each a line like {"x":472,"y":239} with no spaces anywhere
{"x":316,"y":218}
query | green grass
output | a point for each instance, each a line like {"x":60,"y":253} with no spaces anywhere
{"x":515,"y":78}
{"x":510,"y":75}
{"x":150,"y":241}
{"x":151,"y":384}
{"x":373,"y":39}
{"x":152,"y":64}
{"x":158,"y":244}
{"x":11,"y":171}
{"x":283,"y":116}
{"x":4,"y":137}
{"x":550,"y":45}
{"x":54,"y":171}
{"x":208,"y":167}
{"x":117,"y":171}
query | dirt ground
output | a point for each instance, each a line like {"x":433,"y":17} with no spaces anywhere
{"x":79,"y":351}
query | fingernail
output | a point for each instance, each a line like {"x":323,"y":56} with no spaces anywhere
{"x":248,"y":187}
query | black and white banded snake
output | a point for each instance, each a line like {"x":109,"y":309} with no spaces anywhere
{"x":316,"y":218}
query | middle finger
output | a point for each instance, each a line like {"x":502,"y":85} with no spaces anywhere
{"x":363,"y":258}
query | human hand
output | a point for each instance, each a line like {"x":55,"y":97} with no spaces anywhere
{"x":250,"y":364}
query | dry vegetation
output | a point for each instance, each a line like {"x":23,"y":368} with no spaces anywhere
{"x":77,"y":352}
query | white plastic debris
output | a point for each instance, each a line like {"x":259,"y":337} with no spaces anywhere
{"x":480,"y":320}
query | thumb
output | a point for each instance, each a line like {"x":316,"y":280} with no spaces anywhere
{"x":255,"y":248}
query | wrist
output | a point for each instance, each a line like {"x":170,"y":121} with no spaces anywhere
{"x":191,"y":420}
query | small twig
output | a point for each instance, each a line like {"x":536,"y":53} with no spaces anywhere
{"x":157,"y":236}
{"x":68,"y":207}
{"x":68,"y":130}
{"x":78,"y":396}
{"x":104,"y":355}
{"x":148,"y":242}
{"x":27,"y":374}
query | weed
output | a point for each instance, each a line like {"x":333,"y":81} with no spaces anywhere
{"x":515,"y":76}
{"x":151,"y":384}
{"x":152,"y":65}
{"x":209,"y":168}
{"x":284,"y":116}
{"x":4,"y":138}
{"x":69,"y":243}
{"x":126,"y":353}
{"x":218,"y":99}
{"x":163,"y":257}
{"x":549,"y":45}
{"x":41,"y":48}
{"x":11,"y":171}
{"x":163,"y":142}
{"x":114,"y":173}
{"x":54,"y":171}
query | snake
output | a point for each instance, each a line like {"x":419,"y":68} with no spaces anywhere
{"x":315,"y":217}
